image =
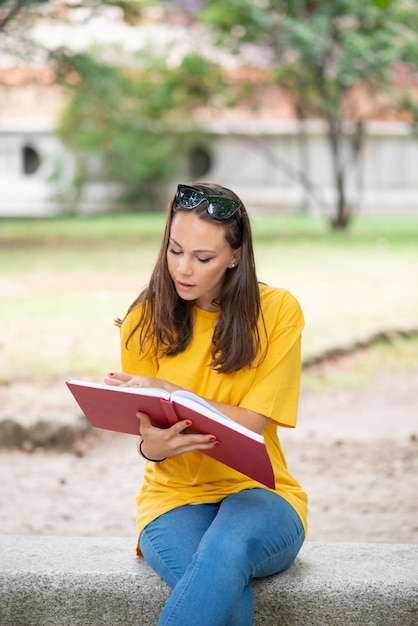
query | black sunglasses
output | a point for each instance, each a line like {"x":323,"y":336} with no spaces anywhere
{"x":219,"y":207}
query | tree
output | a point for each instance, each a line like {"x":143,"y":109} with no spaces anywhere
{"x":17,"y":17}
{"x":128,"y":119}
{"x":325,"y":54}
{"x":10,"y":10}
{"x":133,"y":127}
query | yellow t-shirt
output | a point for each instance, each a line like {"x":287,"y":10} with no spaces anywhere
{"x":270,"y":388}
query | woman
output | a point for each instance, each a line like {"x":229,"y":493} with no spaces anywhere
{"x":204,"y":323}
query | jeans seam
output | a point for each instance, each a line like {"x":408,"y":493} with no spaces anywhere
{"x":186,"y":588}
{"x":157,"y":554}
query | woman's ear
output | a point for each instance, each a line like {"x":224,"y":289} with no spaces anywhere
{"x":236,"y":258}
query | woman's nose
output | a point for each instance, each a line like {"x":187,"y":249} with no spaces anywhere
{"x":184,"y":266}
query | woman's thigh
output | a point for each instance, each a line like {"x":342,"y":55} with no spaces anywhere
{"x":258,"y":528}
{"x":169,"y":542}
{"x":255,"y":525}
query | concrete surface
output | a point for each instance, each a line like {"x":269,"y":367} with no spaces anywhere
{"x":74,"y":581}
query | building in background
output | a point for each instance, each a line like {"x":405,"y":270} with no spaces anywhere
{"x":259,"y":156}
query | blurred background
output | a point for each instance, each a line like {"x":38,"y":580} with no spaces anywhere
{"x":308,"y":111}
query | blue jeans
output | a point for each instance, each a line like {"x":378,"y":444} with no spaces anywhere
{"x":208,"y":553}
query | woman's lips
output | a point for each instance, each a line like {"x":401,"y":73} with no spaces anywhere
{"x":184,"y":286}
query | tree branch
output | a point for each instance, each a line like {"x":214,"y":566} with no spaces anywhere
{"x":13,"y":11}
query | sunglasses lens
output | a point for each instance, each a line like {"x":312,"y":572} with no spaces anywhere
{"x":222,"y":208}
{"x":218,"y":207}
{"x":188,"y":198}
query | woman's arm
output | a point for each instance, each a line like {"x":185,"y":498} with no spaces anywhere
{"x":250,"y":419}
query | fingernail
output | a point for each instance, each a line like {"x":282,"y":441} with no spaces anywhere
{"x":111,"y":374}
{"x":218,"y":443}
{"x":212,"y":438}
{"x":188,"y":423}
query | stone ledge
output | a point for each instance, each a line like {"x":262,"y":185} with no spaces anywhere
{"x":75,"y":581}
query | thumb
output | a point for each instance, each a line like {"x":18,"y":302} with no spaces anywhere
{"x":144,"y":423}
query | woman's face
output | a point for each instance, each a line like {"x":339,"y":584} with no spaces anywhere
{"x":198,"y":256}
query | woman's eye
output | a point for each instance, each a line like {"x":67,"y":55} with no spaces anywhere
{"x":172,"y":251}
{"x":203,"y":260}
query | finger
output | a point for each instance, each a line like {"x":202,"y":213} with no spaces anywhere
{"x":186,"y":428}
{"x":182,"y":426}
{"x":117,"y":378}
{"x":188,"y":443}
{"x":189,"y":439}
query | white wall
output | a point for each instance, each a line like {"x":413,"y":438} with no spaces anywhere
{"x":262,"y":161}
{"x":47,"y":191}
{"x":24,"y":194}
{"x":257,"y":158}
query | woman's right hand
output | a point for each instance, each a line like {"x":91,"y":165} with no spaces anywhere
{"x":161,"y":443}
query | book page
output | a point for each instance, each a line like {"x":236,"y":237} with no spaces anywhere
{"x":197,"y":400}
{"x":198,"y":404}
{"x":154,"y":392}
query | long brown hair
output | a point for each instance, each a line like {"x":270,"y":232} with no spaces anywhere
{"x":166,"y":320}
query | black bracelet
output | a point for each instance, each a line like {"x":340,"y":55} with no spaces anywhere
{"x":146,"y":457}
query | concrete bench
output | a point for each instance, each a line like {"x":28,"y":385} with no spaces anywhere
{"x":77,"y":581}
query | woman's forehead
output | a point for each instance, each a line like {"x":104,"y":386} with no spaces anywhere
{"x":188,"y":230}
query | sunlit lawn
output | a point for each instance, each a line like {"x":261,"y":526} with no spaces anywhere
{"x":63,"y":281}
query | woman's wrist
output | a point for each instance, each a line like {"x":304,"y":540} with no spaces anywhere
{"x":147,"y":458}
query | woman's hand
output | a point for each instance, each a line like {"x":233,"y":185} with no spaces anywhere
{"x":160,"y":443}
{"x":127,"y":380}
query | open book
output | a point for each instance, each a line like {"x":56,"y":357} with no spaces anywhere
{"x":115,"y":408}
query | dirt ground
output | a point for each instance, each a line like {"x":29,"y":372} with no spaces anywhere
{"x":355,"y":452}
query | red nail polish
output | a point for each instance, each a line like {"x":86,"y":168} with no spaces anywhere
{"x":188,"y":423}
{"x":218,"y":443}
{"x":111,"y":374}
{"x":212,"y":438}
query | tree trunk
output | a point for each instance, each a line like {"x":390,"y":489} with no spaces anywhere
{"x":13,"y":10}
{"x":303,"y":154}
{"x":342,"y":210}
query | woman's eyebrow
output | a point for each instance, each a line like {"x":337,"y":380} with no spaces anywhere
{"x":198,"y":250}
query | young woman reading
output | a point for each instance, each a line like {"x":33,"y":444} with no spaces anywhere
{"x":205,"y":323}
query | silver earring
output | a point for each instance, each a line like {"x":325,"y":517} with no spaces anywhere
{"x":233,"y":265}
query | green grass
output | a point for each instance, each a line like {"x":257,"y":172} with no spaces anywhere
{"x":301,"y":230}
{"x":80,"y":230}
{"x":64,"y":280}
{"x":296,"y":229}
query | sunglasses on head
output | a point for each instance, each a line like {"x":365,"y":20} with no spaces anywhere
{"x":218,"y":207}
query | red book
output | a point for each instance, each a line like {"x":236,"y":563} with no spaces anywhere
{"x":115,"y":408}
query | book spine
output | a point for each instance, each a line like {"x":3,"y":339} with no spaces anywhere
{"x":169,"y":411}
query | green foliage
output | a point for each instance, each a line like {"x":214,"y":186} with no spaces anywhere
{"x":22,"y":12}
{"x":133,"y":126}
{"x":319,"y":49}
{"x":321,"y":52}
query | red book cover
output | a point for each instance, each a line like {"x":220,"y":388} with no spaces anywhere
{"x":115,"y":408}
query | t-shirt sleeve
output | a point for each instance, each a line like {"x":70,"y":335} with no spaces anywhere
{"x":275,"y":388}
{"x":132,"y":360}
